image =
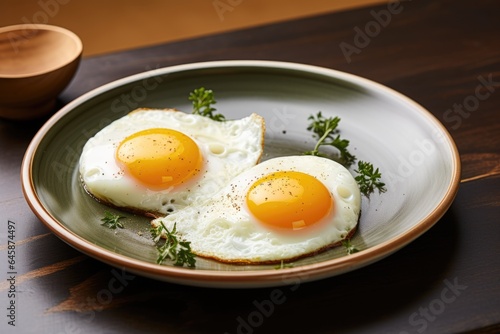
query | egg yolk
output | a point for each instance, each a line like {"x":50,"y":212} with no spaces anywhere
{"x":288,"y":199}
{"x":160,"y":158}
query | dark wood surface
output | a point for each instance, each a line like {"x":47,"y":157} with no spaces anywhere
{"x":447,"y":281}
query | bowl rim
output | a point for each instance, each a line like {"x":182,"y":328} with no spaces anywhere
{"x":44,"y":27}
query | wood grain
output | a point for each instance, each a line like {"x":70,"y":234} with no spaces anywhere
{"x":43,"y":271}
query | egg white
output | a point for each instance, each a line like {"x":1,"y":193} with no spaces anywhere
{"x":228,"y":148}
{"x":222,"y":228}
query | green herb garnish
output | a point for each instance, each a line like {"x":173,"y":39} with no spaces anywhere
{"x":283,"y":265}
{"x":111,"y":220}
{"x":172,"y":248}
{"x":325,"y":129}
{"x":349,"y":247}
{"x":202,"y":100}
{"x":368,"y":178}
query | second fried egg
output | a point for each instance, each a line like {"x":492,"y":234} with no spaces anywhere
{"x":280,"y":210}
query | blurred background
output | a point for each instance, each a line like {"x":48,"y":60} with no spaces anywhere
{"x":112,"y":25}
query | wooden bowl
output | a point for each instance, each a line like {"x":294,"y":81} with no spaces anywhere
{"x":37,"y":62}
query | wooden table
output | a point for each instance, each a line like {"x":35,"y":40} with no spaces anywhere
{"x":443,"y":54}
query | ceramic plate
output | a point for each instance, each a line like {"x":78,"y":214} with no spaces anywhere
{"x":418,"y":159}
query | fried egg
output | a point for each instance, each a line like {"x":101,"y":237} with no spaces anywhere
{"x":157,"y":161}
{"x":279,"y":210}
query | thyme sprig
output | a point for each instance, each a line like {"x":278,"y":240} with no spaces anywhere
{"x":172,"y":248}
{"x":368,"y":178}
{"x":203,"y":101}
{"x":349,"y":247}
{"x":327,"y":134}
{"x":111,"y":220}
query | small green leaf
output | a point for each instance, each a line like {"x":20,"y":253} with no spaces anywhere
{"x":325,"y":130}
{"x":368,"y":178}
{"x":111,"y":220}
{"x":349,"y":247}
{"x":177,"y":251}
{"x":202,"y":100}
{"x":283,"y":265}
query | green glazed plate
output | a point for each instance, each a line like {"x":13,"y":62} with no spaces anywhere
{"x":421,"y":166}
